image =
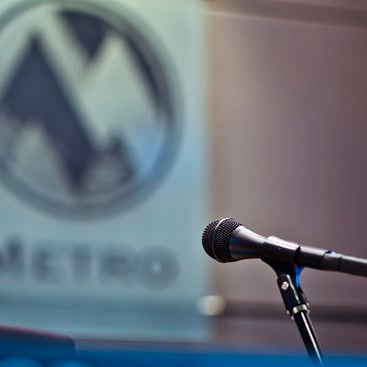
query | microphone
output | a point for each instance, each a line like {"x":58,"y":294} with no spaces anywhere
{"x":227,"y":240}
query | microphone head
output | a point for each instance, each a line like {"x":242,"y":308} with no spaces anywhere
{"x":216,"y":238}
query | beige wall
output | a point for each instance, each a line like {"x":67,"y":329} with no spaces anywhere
{"x":288,"y":115}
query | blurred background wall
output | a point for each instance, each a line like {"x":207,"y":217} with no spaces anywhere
{"x":288,"y":84}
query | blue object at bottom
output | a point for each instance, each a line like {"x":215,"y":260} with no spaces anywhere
{"x":171,"y":358}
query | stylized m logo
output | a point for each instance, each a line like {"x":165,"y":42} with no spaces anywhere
{"x":87,"y":108}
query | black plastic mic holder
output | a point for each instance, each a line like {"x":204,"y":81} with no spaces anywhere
{"x":297,"y":306}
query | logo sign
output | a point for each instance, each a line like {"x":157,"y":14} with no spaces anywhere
{"x":88,"y":118}
{"x":101,"y":112}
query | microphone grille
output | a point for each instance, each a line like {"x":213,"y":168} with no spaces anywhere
{"x":207,"y":238}
{"x":216,"y":237}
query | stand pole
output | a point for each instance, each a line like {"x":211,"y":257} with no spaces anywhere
{"x":303,"y":322}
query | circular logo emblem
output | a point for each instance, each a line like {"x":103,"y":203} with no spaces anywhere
{"x":88,"y":114}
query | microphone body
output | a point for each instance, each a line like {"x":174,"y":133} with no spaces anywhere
{"x":227,"y":240}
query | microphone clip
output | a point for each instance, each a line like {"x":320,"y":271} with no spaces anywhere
{"x":296,"y":304}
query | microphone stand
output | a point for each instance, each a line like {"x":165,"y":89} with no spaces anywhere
{"x":296,"y":305}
